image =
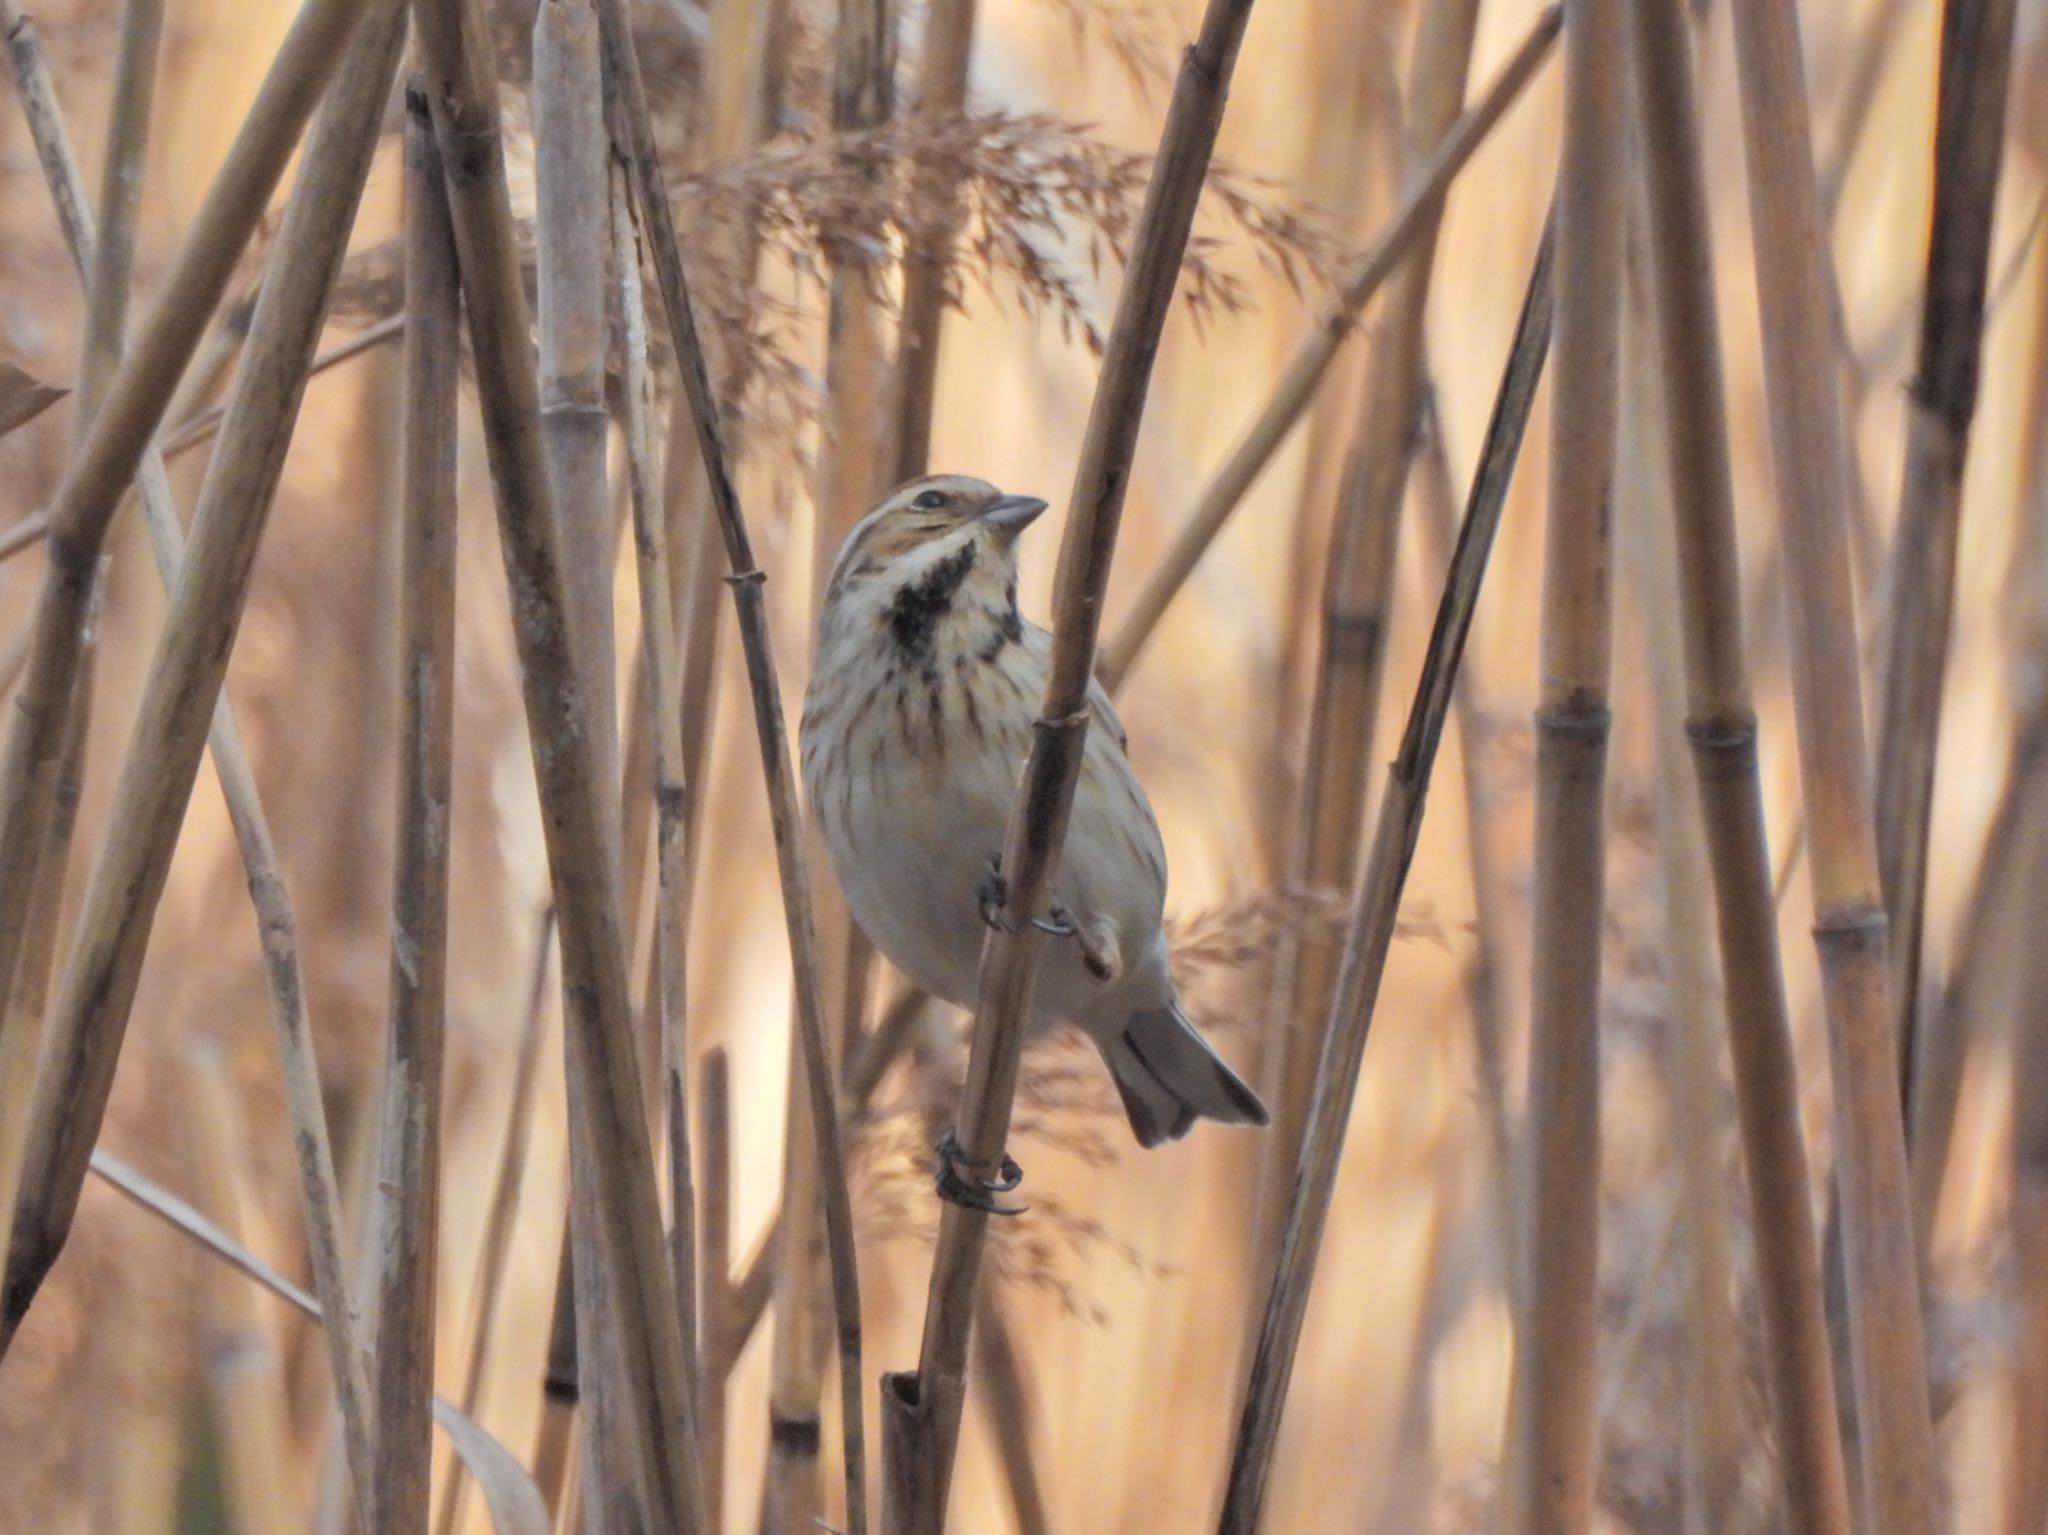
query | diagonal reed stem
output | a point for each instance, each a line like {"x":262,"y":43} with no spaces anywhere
{"x":1374,"y":914}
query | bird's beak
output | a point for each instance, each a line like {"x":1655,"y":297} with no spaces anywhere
{"x":1011,"y":515}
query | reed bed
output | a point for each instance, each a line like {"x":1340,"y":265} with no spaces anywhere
{"x":550,"y":1153}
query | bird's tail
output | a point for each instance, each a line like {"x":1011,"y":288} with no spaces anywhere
{"x":1169,"y":1077}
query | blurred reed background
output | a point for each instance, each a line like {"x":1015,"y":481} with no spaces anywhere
{"x":820,"y":161}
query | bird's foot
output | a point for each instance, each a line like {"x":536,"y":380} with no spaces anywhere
{"x":993,"y":896}
{"x":969,"y":1192}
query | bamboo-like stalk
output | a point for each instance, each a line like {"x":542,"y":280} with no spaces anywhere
{"x":1715,"y":1430}
{"x":852,"y":460}
{"x":409,"y":1160}
{"x":746,"y":580}
{"x":657,"y":639}
{"x":652,"y":1379}
{"x":1004,"y":1395}
{"x":1357,"y":598}
{"x":98,"y":988}
{"x":1897,"y":1461}
{"x":1969,"y":143}
{"x":1557,"y":1317}
{"x":1375,"y":911}
{"x":1721,"y":726}
{"x":1415,"y":221}
{"x":502,"y":1209}
{"x":941,"y":92}
{"x":104,"y":464}
{"x":921,"y":1411}
{"x":572,"y":208}
{"x":716,"y":1343}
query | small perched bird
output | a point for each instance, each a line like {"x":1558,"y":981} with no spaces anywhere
{"x":915,"y":730}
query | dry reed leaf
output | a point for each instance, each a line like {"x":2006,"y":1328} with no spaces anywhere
{"x":23,"y":397}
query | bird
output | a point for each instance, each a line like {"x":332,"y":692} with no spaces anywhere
{"x":916,"y":723}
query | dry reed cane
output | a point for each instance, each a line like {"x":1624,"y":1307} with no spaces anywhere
{"x":746,"y":580}
{"x":205,"y":425}
{"x":1721,"y":726}
{"x":90,"y":1018}
{"x":572,"y":207}
{"x":852,"y":459}
{"x":617,"y":1154}
{"x":1898,"y":1462}
{"x":1969,"y":142}
{"x":921,"y":1411}
{"x":1375,"y":912}
{"x":277,"y":923}
{"x":657,"y":641}
{"x":1357,"y":599}
{"x":941,"y":92}
{"x":1716,"y":1431}
{"x":1415,"y":220}
{"x":1552,"y":1459}
{"x":716,"y":1343}
{"x":100,"y":471}
{"x":503,"y":1208}
{"x":2026,"y":1489}
{"x":409,"y":1161}
{"x":86,"y":502}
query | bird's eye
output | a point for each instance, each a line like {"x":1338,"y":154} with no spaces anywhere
{"x":930,"y":500}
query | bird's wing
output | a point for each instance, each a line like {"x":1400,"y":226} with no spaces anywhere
{"x":1038,"y":646}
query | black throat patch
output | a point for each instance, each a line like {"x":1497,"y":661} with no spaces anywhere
{"x":914,"y":612}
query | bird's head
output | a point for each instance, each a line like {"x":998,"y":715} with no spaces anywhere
{"x":924,"y":527}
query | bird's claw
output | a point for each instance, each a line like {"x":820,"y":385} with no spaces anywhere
{"x":969,"y":1192}
{"x":993,"y":896}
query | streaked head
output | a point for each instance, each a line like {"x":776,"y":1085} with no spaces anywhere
{"x":930,"y":520}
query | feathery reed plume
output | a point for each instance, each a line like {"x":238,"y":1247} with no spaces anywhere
{"x":921,"y":1411}
{"x":1357,"y":594}
{"x":771,"y":729}
{"x":1969,"y":145}
{"x":409,"y":1160}
{"x":616,"y":1155}
{"x":1721,"y":726}
{"x":1375,"y":912}
{"x":99,"y":474}
{"x":1897,"y":1450}
{"x":90,"y":1018}
{"x":1415,"y":221}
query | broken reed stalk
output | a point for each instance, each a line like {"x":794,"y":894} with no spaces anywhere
{"x":746,"y":580}
{"x":1415,"y":220}
{"x":571,"y":215}
{"x":502,"y":1210}
{"x":1374,"y":914}
{"x":941,"y":92}
{"x":1356,"y":602}
{"x":853,"y":457}
{"x":664,"y":701}
{"x":1711,"y":1387}
{"x":1721,"y":727}
{"x":617,"y":1155}
{"x":1969,"y":142}
{"x":179,"y":702}
{"x":105,"y":462}
{"x":1557,"y":1295}
{"x":409,"y":1157}
{"x":922,"y":1410}
{"x":1899,"y":1472}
